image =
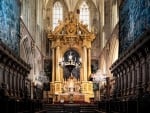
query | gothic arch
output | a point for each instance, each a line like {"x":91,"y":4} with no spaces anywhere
{"x":114,"y":49}
{"x":109,"y":54}
{"x":103,"y":63}
{"x":26,"y":49}
{"x":92,"y":9}
{"x":89,"y":3}
{"x":22,"y":49}
{"x":49,"y":9}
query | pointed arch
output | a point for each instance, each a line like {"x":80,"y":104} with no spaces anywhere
{"x":93,"y":12}
{"x":57,"y":13}
{"x":84,"y":13}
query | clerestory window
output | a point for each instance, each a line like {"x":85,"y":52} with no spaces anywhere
{"x":84,"y":13}
{"x":57,"y":13}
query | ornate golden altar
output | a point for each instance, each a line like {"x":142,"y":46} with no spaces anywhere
{"x":73,"y":36}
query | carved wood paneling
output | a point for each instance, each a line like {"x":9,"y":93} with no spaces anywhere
{"x":14,"y":71}
{"x":133,"y":69}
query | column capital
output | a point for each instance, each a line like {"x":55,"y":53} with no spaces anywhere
{"x":86,"y":43}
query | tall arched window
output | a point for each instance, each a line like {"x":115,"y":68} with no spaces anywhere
{"x":57,"y":13}
{"x":84,"y":13}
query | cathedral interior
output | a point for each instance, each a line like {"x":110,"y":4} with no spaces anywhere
{"x":74,"y":56}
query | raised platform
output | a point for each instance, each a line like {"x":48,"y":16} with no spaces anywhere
{"x":67,"y":97}
{"x":71,"y":108}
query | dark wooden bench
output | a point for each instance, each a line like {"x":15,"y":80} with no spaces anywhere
{"x":42,"y":111}
{"x":98,"y":111}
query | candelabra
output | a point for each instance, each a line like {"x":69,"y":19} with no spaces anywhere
{"x":70,"y":62}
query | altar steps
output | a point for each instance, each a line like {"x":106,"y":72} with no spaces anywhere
{"x":70,"y":108}
{"x":54,"y":108}
{"x":88,"y":108}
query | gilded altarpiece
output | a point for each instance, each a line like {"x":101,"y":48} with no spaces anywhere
{"x":71,"y":34}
